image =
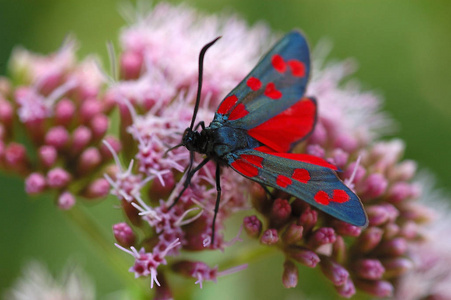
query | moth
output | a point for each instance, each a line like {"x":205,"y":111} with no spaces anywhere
{"x":256,"y":127}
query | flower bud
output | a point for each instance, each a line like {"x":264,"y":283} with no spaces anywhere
{"x":396,"y":267}
{"x":35,"y":184}
{"x":304,"y":256}
{"x":124,"y":234}
{"x":322,"y":236}
{"x":377,"y":288}
{"x":58,"y":178}
{"x":57,"y":137}
{"x":346,"y":229}
{"x":89,"y":160}
{"x":64,"y":112}
{"x":252,"y":225}
{"x":99,"y":126}
{"x":315,"y":150}
{"x":290,"y":274}
{"x":131,"y":65}
{"x":65,"y":201}
{"x":81,"y":137}
{"x":293,"y":234}
{"x":280,"y":211}
{"x":380,"y":214}
{"x":340,"y":157}
{"x":355,"y":170}
{"x":89,"y":109}
{"x":6,"y":112}
{"x":15,"y":157}
{"x":269,"y":237}
{"x":369,"y":239}
{"x":391,"y":230}
{"x":374,"y":186}
{"x":47,"y":155}
{"x":319,"y":135}
{"x":403,"y":171}
{"x":369,"y":269}
{"x":308,"y":219}
{"x":346,"y":142}
{"x":334,"y":271}
{"x":99,"y":188}
{"x":346,"y":290}
{"x":394,"y":247}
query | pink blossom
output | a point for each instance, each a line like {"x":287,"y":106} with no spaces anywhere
{"x":147,"y":263}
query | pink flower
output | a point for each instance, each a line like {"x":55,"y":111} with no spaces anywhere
{"x":156,"y":103}
{"x":63,"y":107}
{"x":146,"y":263}
{"x":61,"y":112}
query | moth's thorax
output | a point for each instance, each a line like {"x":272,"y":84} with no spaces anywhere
{"x":218,"y":141}
{"x":223,"y":140}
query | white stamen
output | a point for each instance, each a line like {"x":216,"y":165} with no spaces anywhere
{"x":235,"y":239}
{"x":181,"y":222}
{"x":206,"y":242}
{"x":153,"y":278}
{"x":349,"y":181}
{"x":199,"y":280}
{"x":232,"y":270}
{"x":115,"y":157}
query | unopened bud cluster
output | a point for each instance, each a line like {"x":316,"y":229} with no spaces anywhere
{"x":53,"y":119}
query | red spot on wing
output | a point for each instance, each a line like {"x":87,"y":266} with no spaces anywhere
{"x":238,"y":112}
{"x":272,"y":92}
{"x":253,"y":159}
{"x":265,"y":149}
{"x":248,"y":164}
{"x":227,"y":104}
{"x":301,"y":175}
{"x":278,"y":63}
{"x":297,"y":68}
{"x":254,"y":83}
{"x":339,"y":196}
{"x":244,"y":168}
{"x":288,"y":127}
{"x":306,"y":158}
{"x":283,"y":181}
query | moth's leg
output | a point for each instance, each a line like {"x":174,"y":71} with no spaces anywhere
{"x":218,"y":198}
{"x":189,"y":175}
{"x":201,"y":124}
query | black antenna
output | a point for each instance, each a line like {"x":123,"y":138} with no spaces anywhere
{"x":199,"y":82}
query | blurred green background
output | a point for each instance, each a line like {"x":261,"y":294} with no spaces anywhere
{"x":404,"y":52}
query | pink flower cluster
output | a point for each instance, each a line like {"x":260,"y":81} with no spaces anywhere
{"x":155,"y":97}
{"x":56,"y":107}
{"x":373,"y":258}
{"x":60,"y":109}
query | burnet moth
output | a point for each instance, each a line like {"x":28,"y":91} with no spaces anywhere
{"x":257,"y":125}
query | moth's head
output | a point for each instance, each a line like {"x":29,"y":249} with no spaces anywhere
{"x":190,"y":138}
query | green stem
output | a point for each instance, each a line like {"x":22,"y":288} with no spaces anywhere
{"x":248,"y":255}
{"x":113,"y":256}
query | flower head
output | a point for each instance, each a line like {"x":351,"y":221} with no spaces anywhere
{"x":37,"y":283}
{"x":60,"y":107}
{"x":63,"y":107}
{"x":155,"y":97}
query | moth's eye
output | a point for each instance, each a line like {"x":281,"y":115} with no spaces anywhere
{"x":185,"y":132}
